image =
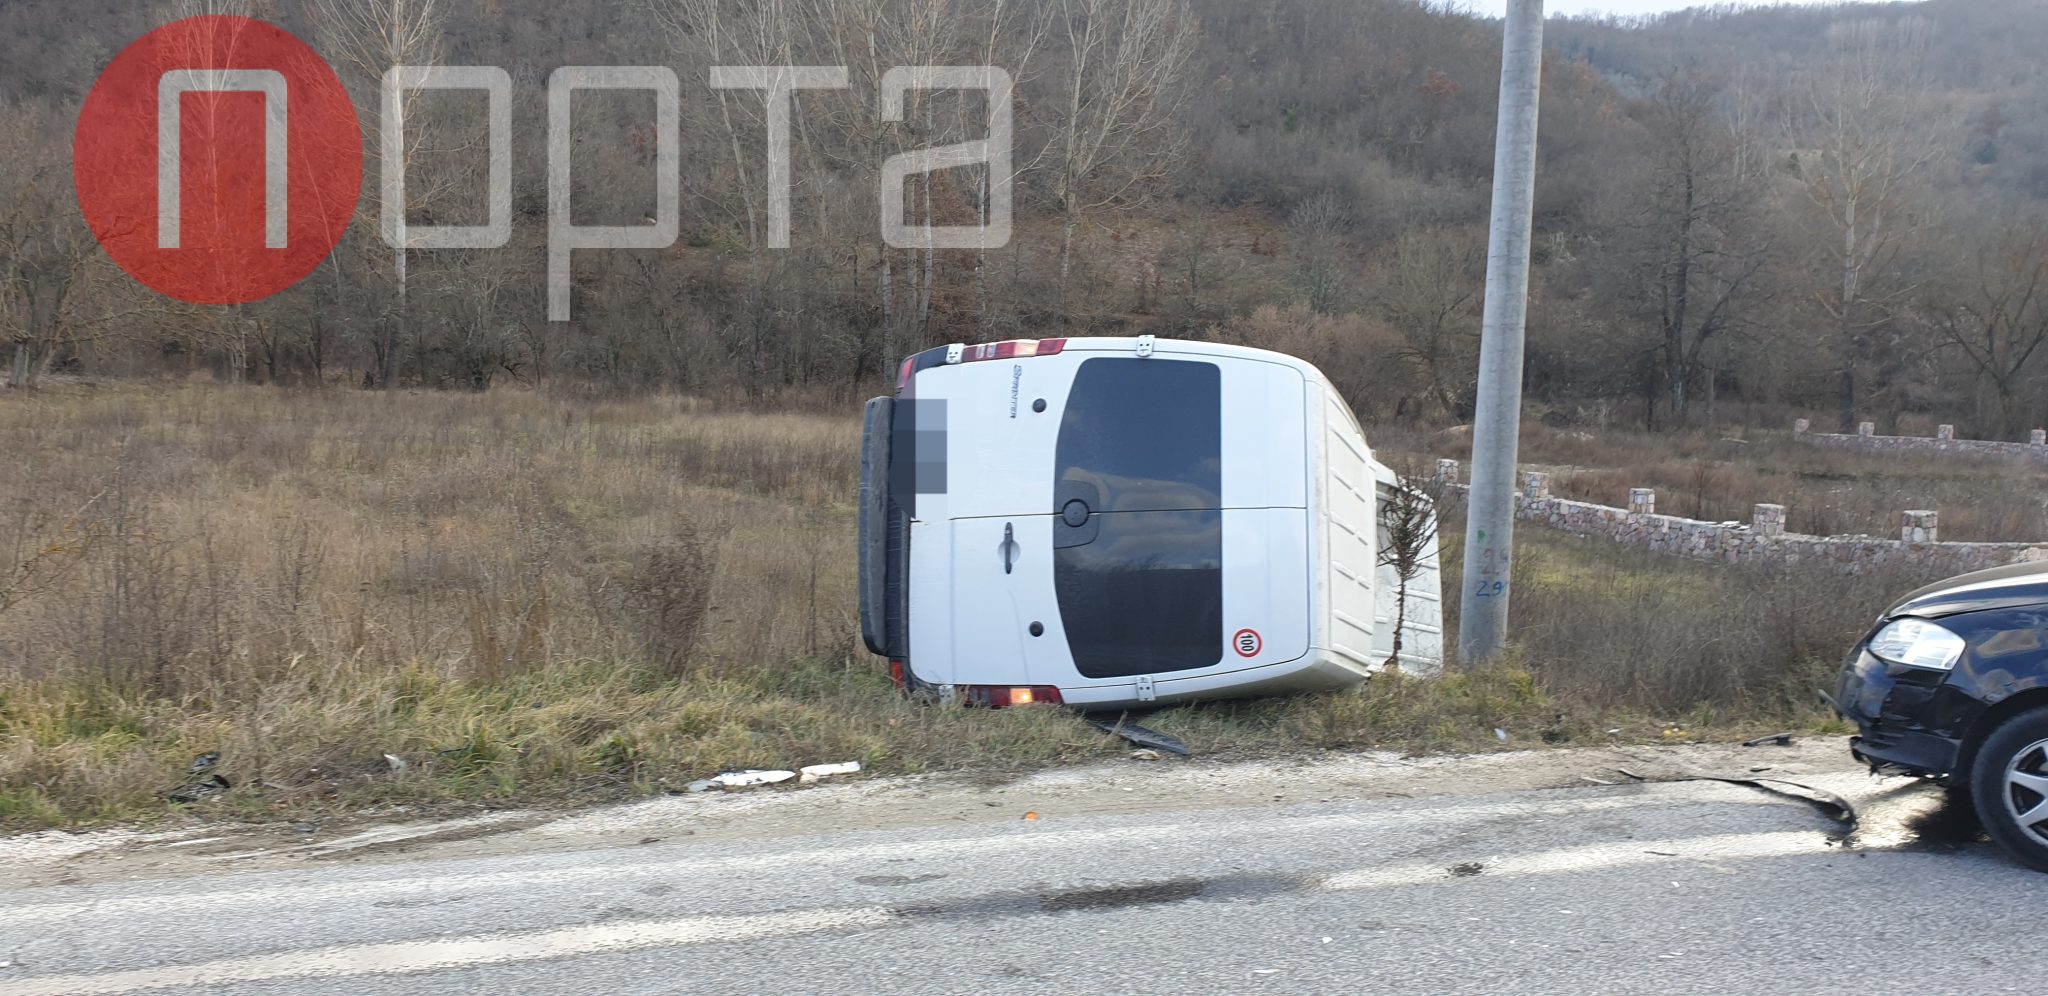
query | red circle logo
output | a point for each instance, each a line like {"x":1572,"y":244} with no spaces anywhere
{"x":1247,"y":643}
{"x":218,"y":160}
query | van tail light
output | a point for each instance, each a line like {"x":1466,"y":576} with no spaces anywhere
{"x":1007,"y":696}
{"x":897,"y":667}
{"x":1012,"y":349}
{"x":950,"y":355}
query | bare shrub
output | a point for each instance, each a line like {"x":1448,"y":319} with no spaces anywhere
{"x":1407,"y":534}
{"x":1363,"y":356}
{"x":665,"y":593}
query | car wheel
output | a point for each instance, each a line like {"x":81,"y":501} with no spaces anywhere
{"x":2010,"y":785}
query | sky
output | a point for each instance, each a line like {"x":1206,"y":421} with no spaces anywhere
{"x":1498,"y":8}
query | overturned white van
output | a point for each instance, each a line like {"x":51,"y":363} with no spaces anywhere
{"x":1116,"y":522}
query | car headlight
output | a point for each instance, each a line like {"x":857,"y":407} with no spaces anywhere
{"x":1918,"y":643}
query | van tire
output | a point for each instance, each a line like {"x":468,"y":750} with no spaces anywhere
{"x":2003,"y":784}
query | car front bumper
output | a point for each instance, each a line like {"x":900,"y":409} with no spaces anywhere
{"x":1893,"y":708}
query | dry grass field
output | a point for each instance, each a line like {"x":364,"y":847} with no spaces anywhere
{"x":528,"y":598}
{"x":507,"y":593}
{"x":1826,"y":492}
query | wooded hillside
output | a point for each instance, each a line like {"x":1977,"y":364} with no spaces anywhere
{"x":1837,"y":209}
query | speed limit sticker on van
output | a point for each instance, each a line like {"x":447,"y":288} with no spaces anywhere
{"x":1247,"y":643}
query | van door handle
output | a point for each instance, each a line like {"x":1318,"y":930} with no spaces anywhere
{"x":1009,"y":546}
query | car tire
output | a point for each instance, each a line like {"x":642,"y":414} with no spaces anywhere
{"x":2009,"y":783}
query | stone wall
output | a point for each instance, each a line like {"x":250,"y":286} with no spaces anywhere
{"x":1942,"y":443}
{"x":1762,"y":539}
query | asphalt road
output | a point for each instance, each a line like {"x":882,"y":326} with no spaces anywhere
{"x":1679,"y":888}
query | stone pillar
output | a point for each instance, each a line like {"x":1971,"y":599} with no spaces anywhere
{"x":1945,"y":433}
{"x":1535,"y":486}
{"x":1920,"y":527}
{"x":1642,"y":501}
{"x":1802,"y":426}
{"x":1447,"y":471}
{"x":2039,"y":437}
{"x":1768,"y":521}
{"x":1866,"y":429}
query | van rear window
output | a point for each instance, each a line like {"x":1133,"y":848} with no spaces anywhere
{"x":1146,"y":434}
{"x":1138,"y":558}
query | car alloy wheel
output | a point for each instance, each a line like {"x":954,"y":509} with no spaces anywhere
{"x":2025,"y":792}
{"x":2009,"y":783}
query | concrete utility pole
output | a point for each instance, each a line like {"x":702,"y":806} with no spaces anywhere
{"x":1496,"y":429}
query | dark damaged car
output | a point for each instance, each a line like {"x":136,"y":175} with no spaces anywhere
{"x":1952,"y":684}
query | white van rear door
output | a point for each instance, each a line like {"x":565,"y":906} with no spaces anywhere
{"x":1001,"y":418}
{"x":1265,"y":435}
{"x":1151,"y":521}
{"x":1182,"y":543}
{"x":1002,"y":586}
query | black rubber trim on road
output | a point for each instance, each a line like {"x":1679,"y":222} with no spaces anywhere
{"x":1834,"y":806}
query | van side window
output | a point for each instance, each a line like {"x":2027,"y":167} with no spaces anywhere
{"x":1138,"y":562}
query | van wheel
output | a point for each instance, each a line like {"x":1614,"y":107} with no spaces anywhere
{"x":2010,"y":785}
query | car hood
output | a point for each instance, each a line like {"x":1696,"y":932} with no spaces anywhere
{"x":1998,"y":588}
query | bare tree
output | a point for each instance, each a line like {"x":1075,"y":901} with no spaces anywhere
{"x":2000,"y":320}
{"x":1196,"y":260}
{"x":1869,"y":135}
{"x":832,"y":131}
{"x":49,"y":260}
{"x":1118,"y":125}
{"x":1703,"y":253}
{"x":1320,"y":227}
{"x":369,"y":37}
{"x":1012,"y":40}
{"x":1429,"y":286}
{"x":718,"y":33}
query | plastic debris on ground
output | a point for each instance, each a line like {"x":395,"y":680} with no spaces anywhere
{"x":1146,"y":754}
{"x":749,"y":779}
{"x":812,"y":773}
{"x":211,"y":788}
{"x":1827,"y":802}
{"x":1140,"y":736}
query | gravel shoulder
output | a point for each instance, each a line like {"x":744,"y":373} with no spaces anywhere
{"x":1122,"y":787}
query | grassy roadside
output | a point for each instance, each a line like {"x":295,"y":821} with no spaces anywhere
{"x":532,"y":601}
{"x":578,"y":733}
